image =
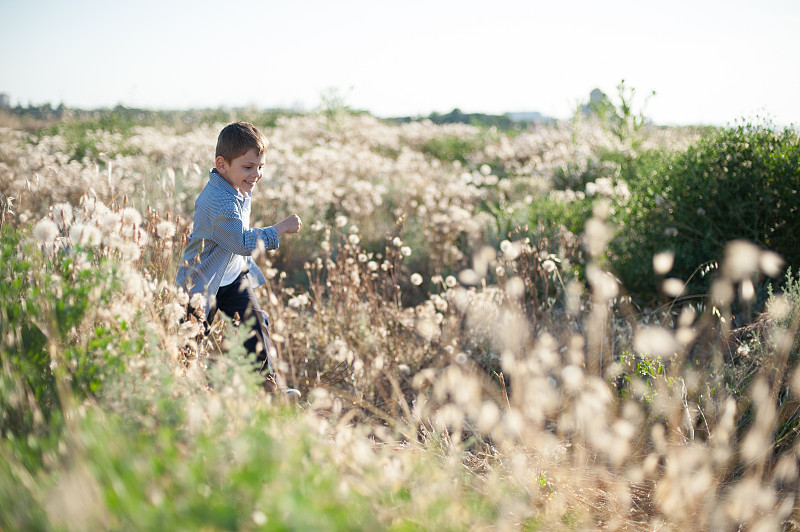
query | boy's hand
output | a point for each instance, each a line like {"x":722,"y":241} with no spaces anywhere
{"x":290,"y":224}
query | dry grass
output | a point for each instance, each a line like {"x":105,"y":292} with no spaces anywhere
{"x":507,"y":396}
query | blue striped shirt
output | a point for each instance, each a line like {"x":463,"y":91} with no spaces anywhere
{"x":218,"y":233}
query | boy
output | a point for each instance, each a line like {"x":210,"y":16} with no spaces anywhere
{"x":217,"y":262}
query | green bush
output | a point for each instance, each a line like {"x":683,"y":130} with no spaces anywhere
{"x":738,"y":182}
{"x":450,"y":148}
{"x":572,"y":215}
{"x":43,"y":304}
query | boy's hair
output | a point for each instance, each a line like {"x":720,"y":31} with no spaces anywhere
{"x":238,"y":138}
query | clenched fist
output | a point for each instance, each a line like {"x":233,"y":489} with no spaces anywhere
{"x":290,"y":224}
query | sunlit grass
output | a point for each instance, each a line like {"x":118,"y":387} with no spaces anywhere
{"x":456,"y":374}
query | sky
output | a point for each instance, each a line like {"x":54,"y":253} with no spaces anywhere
{"x":708,"y":61}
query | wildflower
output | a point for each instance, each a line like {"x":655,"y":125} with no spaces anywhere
{"x":488,"y":417}
{"x":741,"y":260}
{"x":604,"y":285}
{"x":549,"y":266}
{"x":439,"y":303}
{"x":416,"y":279}
{"x":85,"y":234}
{"x":450,"y":281}
{"x":259,"y":518}
{"x":469,"y":276}
{"x":572,"y":377}
{"x":166,"y":229}
{"x":372,"y":266}
{"x":510,"y":250}
{"x":405,"y":250}
{"x":131,"y":216}
{"x":190,"y":329}
{"x":672,"y":287}
{"x":662,"y":262}
{"x":595,"y":237}
{"x":622,"y":191}
{"x":747,"y":289}
{"x":62,"y":212}
{"x":174,"y":313}
{"x":427,"y":328}
{"x":141,"y":237}
{"x":353,"y":239}
{"x":106,"y":219}
{"x":770,"y":263}
{"x":655,"y":341}
{"x":298,"y":301}
{"x":743,"y":350}
{"x":45,"y":230}
{"x":515,"y":287}
{"x":339,"y":351}
{"x":341,"y":221}
{"x":198,"y":301}
{"x":183,"y":297}
{"x":397,"y":242}
{"x":130,"y":252}
{"x":778,"y":307}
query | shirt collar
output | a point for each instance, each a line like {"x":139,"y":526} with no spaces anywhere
{"x":218,"y":181}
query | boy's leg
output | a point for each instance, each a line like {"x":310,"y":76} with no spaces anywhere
{"x":239,"y":298}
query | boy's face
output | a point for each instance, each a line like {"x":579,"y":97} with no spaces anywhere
{"x":244,"y":171}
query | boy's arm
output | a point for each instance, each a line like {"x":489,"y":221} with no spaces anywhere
{"x":229,"y":231}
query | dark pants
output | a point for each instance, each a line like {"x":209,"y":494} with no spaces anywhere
{"x":239,"y":298}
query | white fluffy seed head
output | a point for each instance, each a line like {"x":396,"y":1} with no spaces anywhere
{"x":45,"y":230}
{"x":662,"y":262}
{"x":166,"y":229}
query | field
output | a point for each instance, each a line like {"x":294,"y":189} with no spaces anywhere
{"x":588,"y":324}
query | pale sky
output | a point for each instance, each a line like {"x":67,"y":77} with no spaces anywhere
{"x":710,"y":62}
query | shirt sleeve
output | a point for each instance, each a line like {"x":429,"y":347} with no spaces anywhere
{"x":229,"y":232}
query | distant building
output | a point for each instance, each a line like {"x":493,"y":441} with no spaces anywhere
{"x":5,"y":100}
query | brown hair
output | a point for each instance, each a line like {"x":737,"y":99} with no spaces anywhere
{"x":238,"y":138}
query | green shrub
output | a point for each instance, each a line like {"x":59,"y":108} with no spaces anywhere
{"x":572,"y":215}
{"x":450,"y":148}
{"x":43,"y":303}
{"x":738,"y":182}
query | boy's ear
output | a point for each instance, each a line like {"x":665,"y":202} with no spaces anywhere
{"x":221,"y":164}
